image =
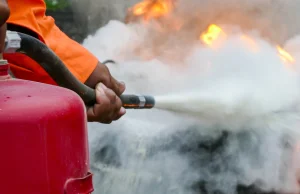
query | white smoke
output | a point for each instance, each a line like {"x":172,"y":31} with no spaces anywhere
{"x":246,"y":106}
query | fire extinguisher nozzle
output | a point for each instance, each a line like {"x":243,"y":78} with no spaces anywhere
{"x":131,"y":101}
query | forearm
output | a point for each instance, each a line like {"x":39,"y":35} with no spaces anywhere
{"x":93,"y":79}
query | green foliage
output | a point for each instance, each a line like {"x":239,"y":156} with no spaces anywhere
{"x":56,"y":4}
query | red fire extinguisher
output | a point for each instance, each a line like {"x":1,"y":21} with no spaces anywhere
{"x":43,"y":141}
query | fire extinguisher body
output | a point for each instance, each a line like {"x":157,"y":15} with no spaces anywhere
{"x":43,"y":141}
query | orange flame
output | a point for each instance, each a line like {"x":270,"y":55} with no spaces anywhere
{"x":149,"y":9}
{"x":212,"y":34}
{"x":284,"y":55}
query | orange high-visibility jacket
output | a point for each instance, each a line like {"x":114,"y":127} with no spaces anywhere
{"x":31,"y":15}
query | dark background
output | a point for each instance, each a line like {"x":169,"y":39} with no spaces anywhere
{"x":66,"y":20}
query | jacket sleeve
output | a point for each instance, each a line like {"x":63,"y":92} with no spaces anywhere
{"x":77,"y":58}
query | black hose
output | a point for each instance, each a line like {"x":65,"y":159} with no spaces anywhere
{"x":51,"y":63}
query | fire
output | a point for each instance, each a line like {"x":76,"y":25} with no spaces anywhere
{"x":284,"y":55}
{"x":213,"y":32}
{"x":168,"y":24}
{"x":149,"y":9}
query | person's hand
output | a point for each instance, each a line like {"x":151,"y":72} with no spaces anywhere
{"x":108,"y":105}
{"x":101,"y":74}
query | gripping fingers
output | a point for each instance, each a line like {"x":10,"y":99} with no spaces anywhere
{"x":108,"y":107}
{"x":115,"y":104}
